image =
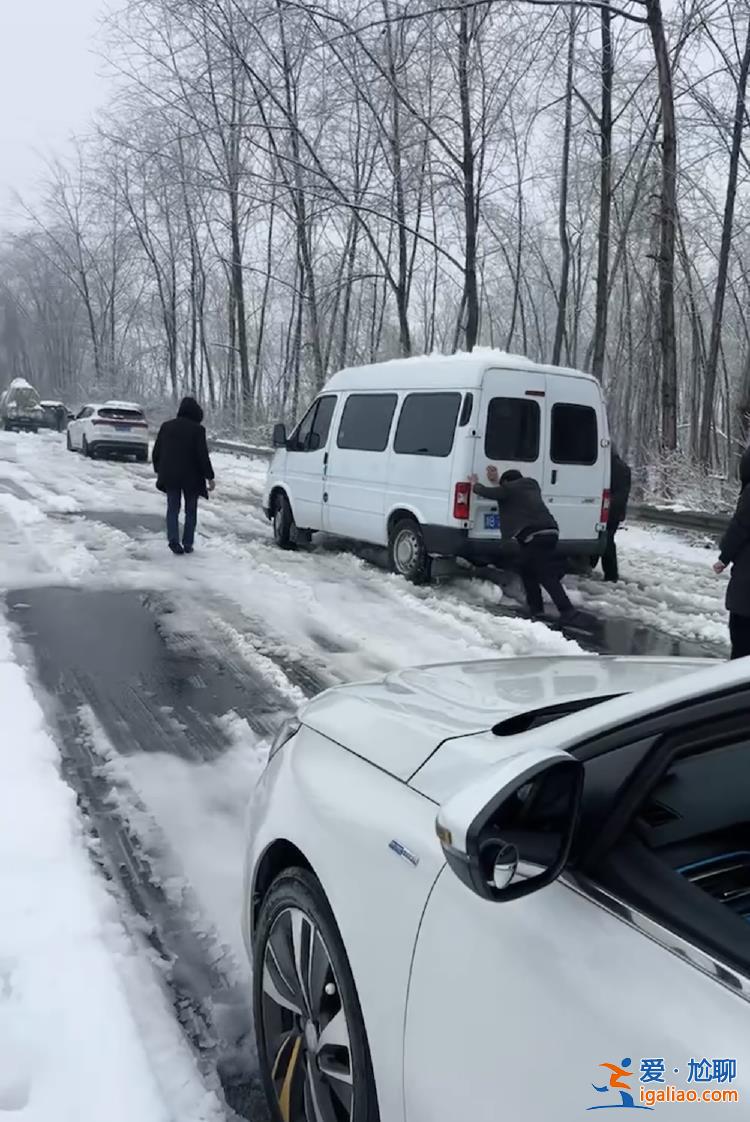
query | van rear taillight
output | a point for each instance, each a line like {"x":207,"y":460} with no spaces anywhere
{"x":604,"y":517}
{"x":461,"y":501}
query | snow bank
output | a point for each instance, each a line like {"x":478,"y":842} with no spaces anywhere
{"x":86,"y":1033}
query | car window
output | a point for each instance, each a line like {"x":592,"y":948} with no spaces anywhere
{"x":366,"y":422}
{"x":513,"y":425}
{"x":427,"y":424}
{"x":323,"y":416}
{"x":298,"y":439}
{"x":575,"y":435}
{"x":112,"y":413}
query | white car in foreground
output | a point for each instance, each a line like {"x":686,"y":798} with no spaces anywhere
{"x":505,"y":890}
{"x":114,"y":428}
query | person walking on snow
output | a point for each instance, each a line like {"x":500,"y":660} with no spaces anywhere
{"x":618,"y":507}
{"x":525,"y":518}
{"x":184,"y":470}
{"x":735,"y":551}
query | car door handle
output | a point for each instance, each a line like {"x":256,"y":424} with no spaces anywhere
{"x":325,"y":496}
{"x":554,"y":477}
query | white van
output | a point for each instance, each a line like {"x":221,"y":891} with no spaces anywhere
{"x":385,"y":453}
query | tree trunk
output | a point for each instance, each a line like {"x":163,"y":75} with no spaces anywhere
{"x":562,"y":299}
{"x":471,"y":291}
{"x":605,"y":197}
{"x":724,"y":252}
{"x":667,"y":219}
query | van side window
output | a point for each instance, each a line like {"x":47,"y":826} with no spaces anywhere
{"x":513,"y":425}
{"x":466,"y":410}
{"x":366,"y":421}
{"x":300,"y":436}
{"x":575,"y":435}
{"x":427,"y":424}
{"x":322,"y":424}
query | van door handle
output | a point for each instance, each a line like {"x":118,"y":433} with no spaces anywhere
{"x":554,"y":476}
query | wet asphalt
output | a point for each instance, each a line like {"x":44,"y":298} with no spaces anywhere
{"x":151,"y":687}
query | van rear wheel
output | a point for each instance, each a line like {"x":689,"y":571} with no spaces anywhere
{"x":407,"y":552}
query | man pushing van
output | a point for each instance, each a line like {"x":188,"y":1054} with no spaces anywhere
{"x":525,"y":518}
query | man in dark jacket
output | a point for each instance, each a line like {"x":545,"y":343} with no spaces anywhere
{"x":735,"y":551}
{"x":183,"y":468}
{"x":619,"y":493}
{"x":525,"y":518}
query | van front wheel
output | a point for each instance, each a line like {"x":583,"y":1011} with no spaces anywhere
{"x":283,"y":523}
{"x":407,"y":552}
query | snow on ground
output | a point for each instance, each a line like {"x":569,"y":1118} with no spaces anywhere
{"x":666,"y":582}
{"x":86,"y":1032}
{"x":325,"y":611}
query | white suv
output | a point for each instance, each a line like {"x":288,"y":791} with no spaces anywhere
{"x":115,"y":428}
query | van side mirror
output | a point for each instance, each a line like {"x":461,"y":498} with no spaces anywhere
{"x":510,"y":833}
{"x":279,"y":436}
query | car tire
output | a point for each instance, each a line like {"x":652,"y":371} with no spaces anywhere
{"x":69,"y":443}
{"x":283,"y":523}
{"x":325,"y":1054}
{"x":407,"y":552}
{"x":85,"y":450}
{"x":142,"y":457}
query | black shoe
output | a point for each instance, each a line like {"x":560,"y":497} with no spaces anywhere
{"x":574,"y":618}
{"x":176,"y":548}
{"x":187,"y":549}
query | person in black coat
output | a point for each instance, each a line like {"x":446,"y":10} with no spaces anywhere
{"x":183,"y":468}
{"x":619,"y":494}
{"x":526,"y":518}
{"x":735,"y":551}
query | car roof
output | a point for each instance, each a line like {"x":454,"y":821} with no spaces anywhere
{"x":121,"y":405}
{"x":457,"y":371}
{"x":46,"y":402}
{"x":398,"y":722}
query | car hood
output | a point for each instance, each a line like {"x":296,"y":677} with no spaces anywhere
{"x":397,"y":723}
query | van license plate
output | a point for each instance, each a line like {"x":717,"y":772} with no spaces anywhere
{"x":492,"y":521}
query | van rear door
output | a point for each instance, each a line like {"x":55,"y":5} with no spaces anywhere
{"x":577,"y":453}
{"x":511,"y":433}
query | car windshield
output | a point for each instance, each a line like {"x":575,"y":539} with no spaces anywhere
{"x":26,"y":397}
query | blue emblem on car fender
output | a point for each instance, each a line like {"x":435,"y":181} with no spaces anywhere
{"x":401,"y":851}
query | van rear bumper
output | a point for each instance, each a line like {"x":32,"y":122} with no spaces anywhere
{"x":449,"y":541}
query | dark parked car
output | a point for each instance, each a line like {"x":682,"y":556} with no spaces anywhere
{"x":54,"y":416}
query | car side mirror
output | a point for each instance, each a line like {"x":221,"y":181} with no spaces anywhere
{"x":510,"y":833}
{"x":279,"y":436}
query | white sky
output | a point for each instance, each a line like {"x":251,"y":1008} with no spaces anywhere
{"x":50,"y":85}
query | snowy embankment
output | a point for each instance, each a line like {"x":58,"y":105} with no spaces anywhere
{"x":86,"y":1032}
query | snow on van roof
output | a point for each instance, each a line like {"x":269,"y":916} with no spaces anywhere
{"x":463,"y":369}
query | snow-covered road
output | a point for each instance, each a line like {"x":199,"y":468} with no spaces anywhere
{"x":162,"y":680}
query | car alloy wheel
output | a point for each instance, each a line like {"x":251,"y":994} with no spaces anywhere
{"x":305,"y":1024}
